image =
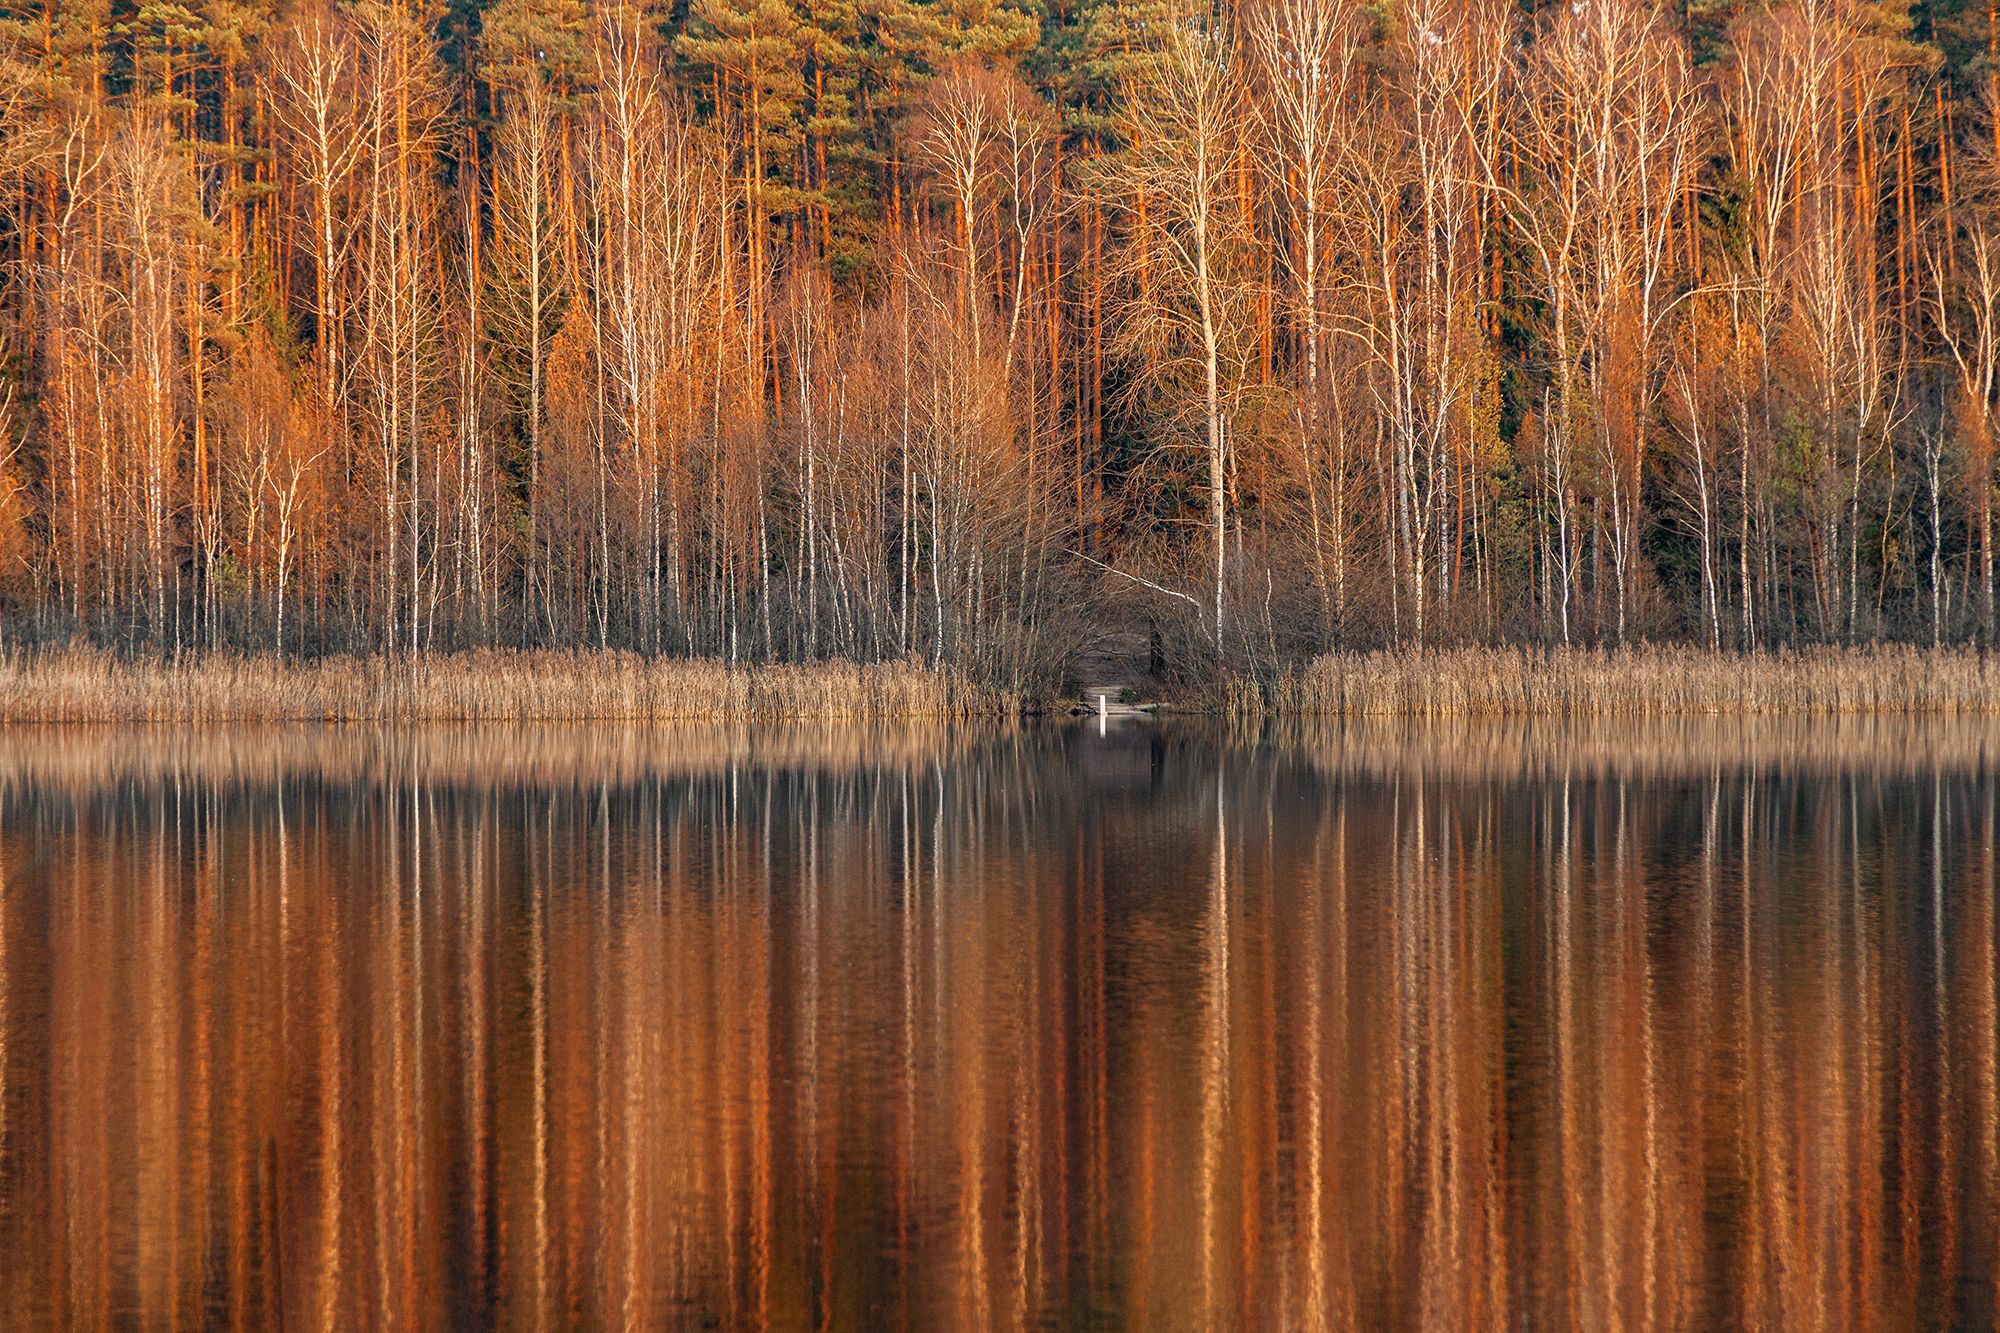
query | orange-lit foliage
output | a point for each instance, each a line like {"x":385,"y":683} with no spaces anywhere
{"x":775,"y":333}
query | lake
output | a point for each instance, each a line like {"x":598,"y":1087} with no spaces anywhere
{"x":1163,"y":1027}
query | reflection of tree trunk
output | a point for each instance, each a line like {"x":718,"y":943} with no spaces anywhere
{"x":1215,"y":1058}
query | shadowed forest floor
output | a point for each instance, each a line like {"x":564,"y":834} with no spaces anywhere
{"x":1117,"y":663}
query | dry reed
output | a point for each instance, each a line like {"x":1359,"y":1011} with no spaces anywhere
{"x":1639,"y":682}
{"x":87,"y":685}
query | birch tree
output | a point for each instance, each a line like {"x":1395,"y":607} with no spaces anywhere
{"x":1309,"y":55}
{"x":1188,"y":318}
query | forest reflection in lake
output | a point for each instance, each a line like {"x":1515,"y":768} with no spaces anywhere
{"x":1685,"y":1026}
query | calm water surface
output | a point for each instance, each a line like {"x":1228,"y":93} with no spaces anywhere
{"x":1495,"y":1028}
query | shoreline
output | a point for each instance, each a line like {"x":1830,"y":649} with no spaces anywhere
{"x":92,"y":686}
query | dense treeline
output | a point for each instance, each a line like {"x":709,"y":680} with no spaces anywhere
{"x":924,"y":327}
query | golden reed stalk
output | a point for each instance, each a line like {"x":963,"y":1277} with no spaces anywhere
{"x":87,"y":685}
{"x":1636,"y":682}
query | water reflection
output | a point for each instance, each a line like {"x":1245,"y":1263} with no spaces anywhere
{"x":1689,"y":1026}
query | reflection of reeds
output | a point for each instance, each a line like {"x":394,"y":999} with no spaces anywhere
{"x":86,"y":685}
{"x":488,"y":756}
{"x":1639,"y":682}
{"x":90,"y":761}
{"x":1528,"y":747}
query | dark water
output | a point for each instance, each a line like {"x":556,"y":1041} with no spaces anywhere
{"x":1688,"y":1027}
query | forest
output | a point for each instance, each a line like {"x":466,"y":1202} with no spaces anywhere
{"x":952,"y":331}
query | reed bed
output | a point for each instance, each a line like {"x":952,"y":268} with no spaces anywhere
{"x":87,"y":685}
{"x":1637,"y":682}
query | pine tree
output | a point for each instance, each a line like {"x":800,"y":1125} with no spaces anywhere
{"x":900,"y":46}
{"x":235,"y":30}
{"x":992,"y":30}
{"x":829,"y":37}
{"x":753,"y":54}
